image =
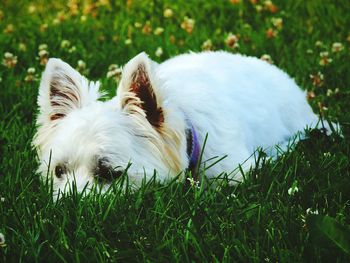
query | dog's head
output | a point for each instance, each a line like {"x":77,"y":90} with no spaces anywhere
{"x":87,"y":141}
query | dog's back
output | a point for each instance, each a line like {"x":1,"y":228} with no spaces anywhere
{"x":241,"y":102}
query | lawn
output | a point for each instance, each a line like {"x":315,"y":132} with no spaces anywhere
{"x":293,"y":209}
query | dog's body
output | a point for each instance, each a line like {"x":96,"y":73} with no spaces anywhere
{"x":241,"y":103}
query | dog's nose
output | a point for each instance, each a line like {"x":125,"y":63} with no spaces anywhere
{"x":110,"y":175}
{"x":106,"y":174}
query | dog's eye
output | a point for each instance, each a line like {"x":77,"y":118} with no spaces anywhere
{"x":106,"y":173}
{"x":60,"y":170}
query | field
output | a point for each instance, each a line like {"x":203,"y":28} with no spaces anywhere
{"x":293,"y":209}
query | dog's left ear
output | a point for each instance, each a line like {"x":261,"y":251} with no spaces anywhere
{"x":137,"y":92}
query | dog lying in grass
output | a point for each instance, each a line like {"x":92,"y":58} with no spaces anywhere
{"x":160,"y":118}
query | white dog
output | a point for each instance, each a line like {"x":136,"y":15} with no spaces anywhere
{"x":160,"y":117}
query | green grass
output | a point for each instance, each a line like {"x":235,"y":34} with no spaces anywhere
{"x":256,"y":221}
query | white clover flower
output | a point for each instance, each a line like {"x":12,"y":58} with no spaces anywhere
{"x":8,"y":55}
{"x":310,"y":211}
{"x":168,"y":13}
{"x":30,"y":75}
{"x":319,"y":43}
{"x":325,"y":60}
{"x":277,"y":22}
{"x":81,"y":67}
{"x":270,"y":6}
{"x":81,"y":64}
{"x":294,"y":188}
{"x":9,"y":29}
{"x":188,"y":24}
{"x":329,"y":92}
{"x":137,"y":25}
{"x":128,"y":41}
{"x":207,"y":45}
{"x":43,"y":47}
{"x":22,"y":47}
{"x":317,"y":79}
{"x":258,"y":8}
{"x":337,"y":47}
{"x":159,"y":30}
{"x":232,"y":41}
{"x":9,"y":60}
{"x":72,"y":49}
{"x":327,"y":154}
{"x":159,"y":52}
{"x":193,"y":183}
{"x":114,"y":71}
{"x":43,"y":53}
{"x":31,"y":70}
{"x":271,"y":33}
{"x":147,"y":29}
{"x":267,"y":58}
{"x":31,"y":9}
{"x":231,"y":196}
{"x":65,"y":43}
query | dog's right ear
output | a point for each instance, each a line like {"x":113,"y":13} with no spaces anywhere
{"x":63,"y":89}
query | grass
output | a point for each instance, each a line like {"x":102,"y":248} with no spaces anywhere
{"x":256,"y":221}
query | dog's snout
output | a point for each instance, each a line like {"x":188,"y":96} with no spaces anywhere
{"x":105,"y":173}
{"x":108,"y":175}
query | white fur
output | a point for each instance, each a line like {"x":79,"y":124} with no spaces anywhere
{"x":241,"y":103}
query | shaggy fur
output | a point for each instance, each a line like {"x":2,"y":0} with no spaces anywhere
{"x":241,"y":103}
